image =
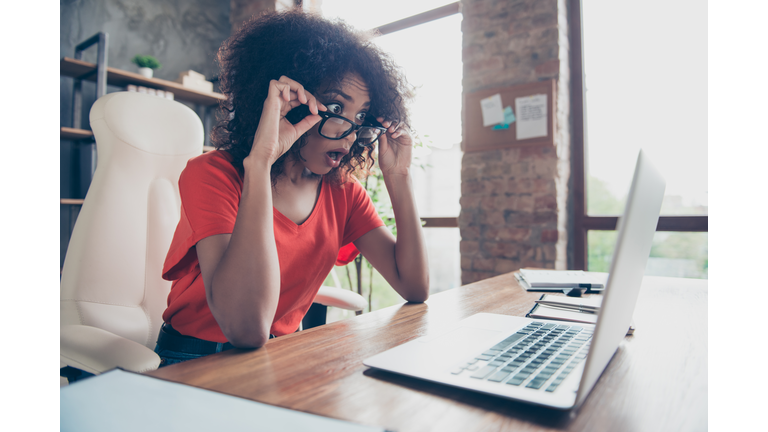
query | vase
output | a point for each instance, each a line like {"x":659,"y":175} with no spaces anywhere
{"x":145,"y":72}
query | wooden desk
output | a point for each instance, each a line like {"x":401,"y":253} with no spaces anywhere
{"x":656,"y":381}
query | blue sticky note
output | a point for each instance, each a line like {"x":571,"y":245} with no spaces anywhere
{"x":509,"y":117}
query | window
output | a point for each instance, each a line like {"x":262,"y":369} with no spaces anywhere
{"x":428,"y":48}
{"x":645,"y":82}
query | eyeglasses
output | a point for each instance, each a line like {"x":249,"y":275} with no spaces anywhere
{"x":336,"y":127}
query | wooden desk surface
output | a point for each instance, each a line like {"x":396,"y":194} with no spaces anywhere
{"x":656,"y":381}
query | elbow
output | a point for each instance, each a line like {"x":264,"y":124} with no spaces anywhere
{"x":417,"y":298}
{"x":247,"y":340}
{"x":418,"y":293}
{"x":245,"y":334}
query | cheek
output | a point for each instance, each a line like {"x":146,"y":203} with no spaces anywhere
{"x":314,"y":142}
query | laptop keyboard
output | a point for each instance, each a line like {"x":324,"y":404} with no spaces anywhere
{"x":532,"y":356}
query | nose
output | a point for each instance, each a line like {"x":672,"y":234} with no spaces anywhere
{"x":352,"y":137}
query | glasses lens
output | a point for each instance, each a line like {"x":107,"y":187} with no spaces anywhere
{"x":367,"y":136}
{"x":335,"y":128}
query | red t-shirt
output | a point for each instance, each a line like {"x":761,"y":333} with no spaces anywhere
{"x":210,"y":189}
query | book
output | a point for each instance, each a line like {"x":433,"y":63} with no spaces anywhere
{"x":572,"y":309}
{"x":558,"y":280}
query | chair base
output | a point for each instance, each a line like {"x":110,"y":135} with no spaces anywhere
{"x":316,"y":316}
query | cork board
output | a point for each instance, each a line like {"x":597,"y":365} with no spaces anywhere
{"x":477,"y":137}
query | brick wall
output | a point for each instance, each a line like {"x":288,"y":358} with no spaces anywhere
{"x":514,"y":201}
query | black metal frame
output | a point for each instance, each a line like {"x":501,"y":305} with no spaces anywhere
{"x":101,"y":40}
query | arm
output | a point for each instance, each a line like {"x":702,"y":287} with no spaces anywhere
{"x":240,"y":271}
{"x":402,"y":260}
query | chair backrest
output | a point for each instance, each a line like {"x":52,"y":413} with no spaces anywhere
{"x":111,"y":277}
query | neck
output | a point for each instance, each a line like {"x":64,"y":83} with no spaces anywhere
{"x":296,"y":172}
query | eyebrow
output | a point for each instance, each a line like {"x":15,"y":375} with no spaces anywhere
{"x":334,"y":92}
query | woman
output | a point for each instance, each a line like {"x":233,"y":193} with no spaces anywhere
{"x":264,"y":217}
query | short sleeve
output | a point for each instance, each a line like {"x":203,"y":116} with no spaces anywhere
{"x":362,"y":215}
{"x":210,"y":189}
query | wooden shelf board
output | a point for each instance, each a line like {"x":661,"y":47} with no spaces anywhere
{"x":84,"y":70}
{"x":68,"y":133}
{"x":71,"y":201}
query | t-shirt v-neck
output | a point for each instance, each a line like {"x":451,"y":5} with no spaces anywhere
{"x":297,"y":228}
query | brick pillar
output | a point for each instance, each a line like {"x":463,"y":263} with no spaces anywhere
{"x":514,"y":200}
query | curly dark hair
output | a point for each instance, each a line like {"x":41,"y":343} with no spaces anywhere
{"x":315,"y":52}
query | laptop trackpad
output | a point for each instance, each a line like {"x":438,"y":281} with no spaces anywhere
{"x":457,"y":344}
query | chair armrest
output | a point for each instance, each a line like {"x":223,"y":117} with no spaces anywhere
{"x":340,"y":298}
{"x":95,"y":350}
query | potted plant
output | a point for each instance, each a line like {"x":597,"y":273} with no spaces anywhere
{"x":146,"y":64}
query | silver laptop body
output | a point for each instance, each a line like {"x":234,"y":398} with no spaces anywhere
{"x":439,"y":357}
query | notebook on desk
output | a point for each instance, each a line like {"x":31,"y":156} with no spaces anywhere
{"x":549,"y":363}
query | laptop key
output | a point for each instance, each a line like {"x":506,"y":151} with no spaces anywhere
{"x":536,"y":383}
{"x":500,"y":376}
{"x":484,"y":372}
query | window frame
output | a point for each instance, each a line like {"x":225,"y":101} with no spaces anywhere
{"x":583,"y":222}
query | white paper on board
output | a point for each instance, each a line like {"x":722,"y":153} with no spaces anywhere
{"x":531,"y":113}
{"x":493,"y":113}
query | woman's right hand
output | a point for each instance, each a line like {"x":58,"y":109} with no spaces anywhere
{"x":275,"y":134}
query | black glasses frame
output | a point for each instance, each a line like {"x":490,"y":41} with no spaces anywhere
{"x":354,"y":128}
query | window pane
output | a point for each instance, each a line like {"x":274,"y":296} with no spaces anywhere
{"x":675,"y":254}
{"x":436,"y":72}
{"x":646,"y":87}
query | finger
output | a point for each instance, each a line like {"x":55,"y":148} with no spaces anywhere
{"x":296,"y":88}
{"x":314,"y":105}
{"x":306,"y":123}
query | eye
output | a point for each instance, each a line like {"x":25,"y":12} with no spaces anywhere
{"x":360,"y":117}
{"x":334,"y":108}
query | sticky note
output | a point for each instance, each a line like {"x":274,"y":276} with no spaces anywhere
{"x":492,"y":111}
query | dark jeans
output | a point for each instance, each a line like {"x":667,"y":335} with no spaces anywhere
{"x":173,"y":347}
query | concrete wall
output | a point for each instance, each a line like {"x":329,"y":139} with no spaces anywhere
{"x":181,"y":34}
{"x":514,"y":203}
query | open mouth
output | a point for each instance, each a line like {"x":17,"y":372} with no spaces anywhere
{"x":334,"y":155}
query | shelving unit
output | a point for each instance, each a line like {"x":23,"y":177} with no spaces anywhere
{"x":103,"y":75}
{"x":82,"y":70}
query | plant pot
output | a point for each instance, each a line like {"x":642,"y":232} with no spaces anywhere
{"x":145,"y":72}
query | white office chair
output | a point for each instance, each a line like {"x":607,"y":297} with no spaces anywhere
{"x":112,"y":292}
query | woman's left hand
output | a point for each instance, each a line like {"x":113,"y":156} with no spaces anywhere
{"x":395,"y":147}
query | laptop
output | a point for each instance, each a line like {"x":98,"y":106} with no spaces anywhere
{"x":548,"y":363}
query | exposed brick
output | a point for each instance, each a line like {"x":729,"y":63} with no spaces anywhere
{"x":466,"y":218}
{"x":470,"y":202}
{"x":466,"y":263}
{"x":514,"y":198}
{"x":490,"y":64}
{"x":493,"y":218}
{"x":550,"y":252}
{"x":506,"y":266}
{"x":485,"y":264}
{"x":549,"y":236}
{"x":532,"y":152}
{"x":515,"y":234}
{"x":470,"y":233}
{"x":469,"y":247}
{"x":472,"y":188}
{"x":545,"y":203}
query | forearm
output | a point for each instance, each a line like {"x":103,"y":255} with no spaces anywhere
{"x":410,"y":248}
{"x":245,"y":286}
